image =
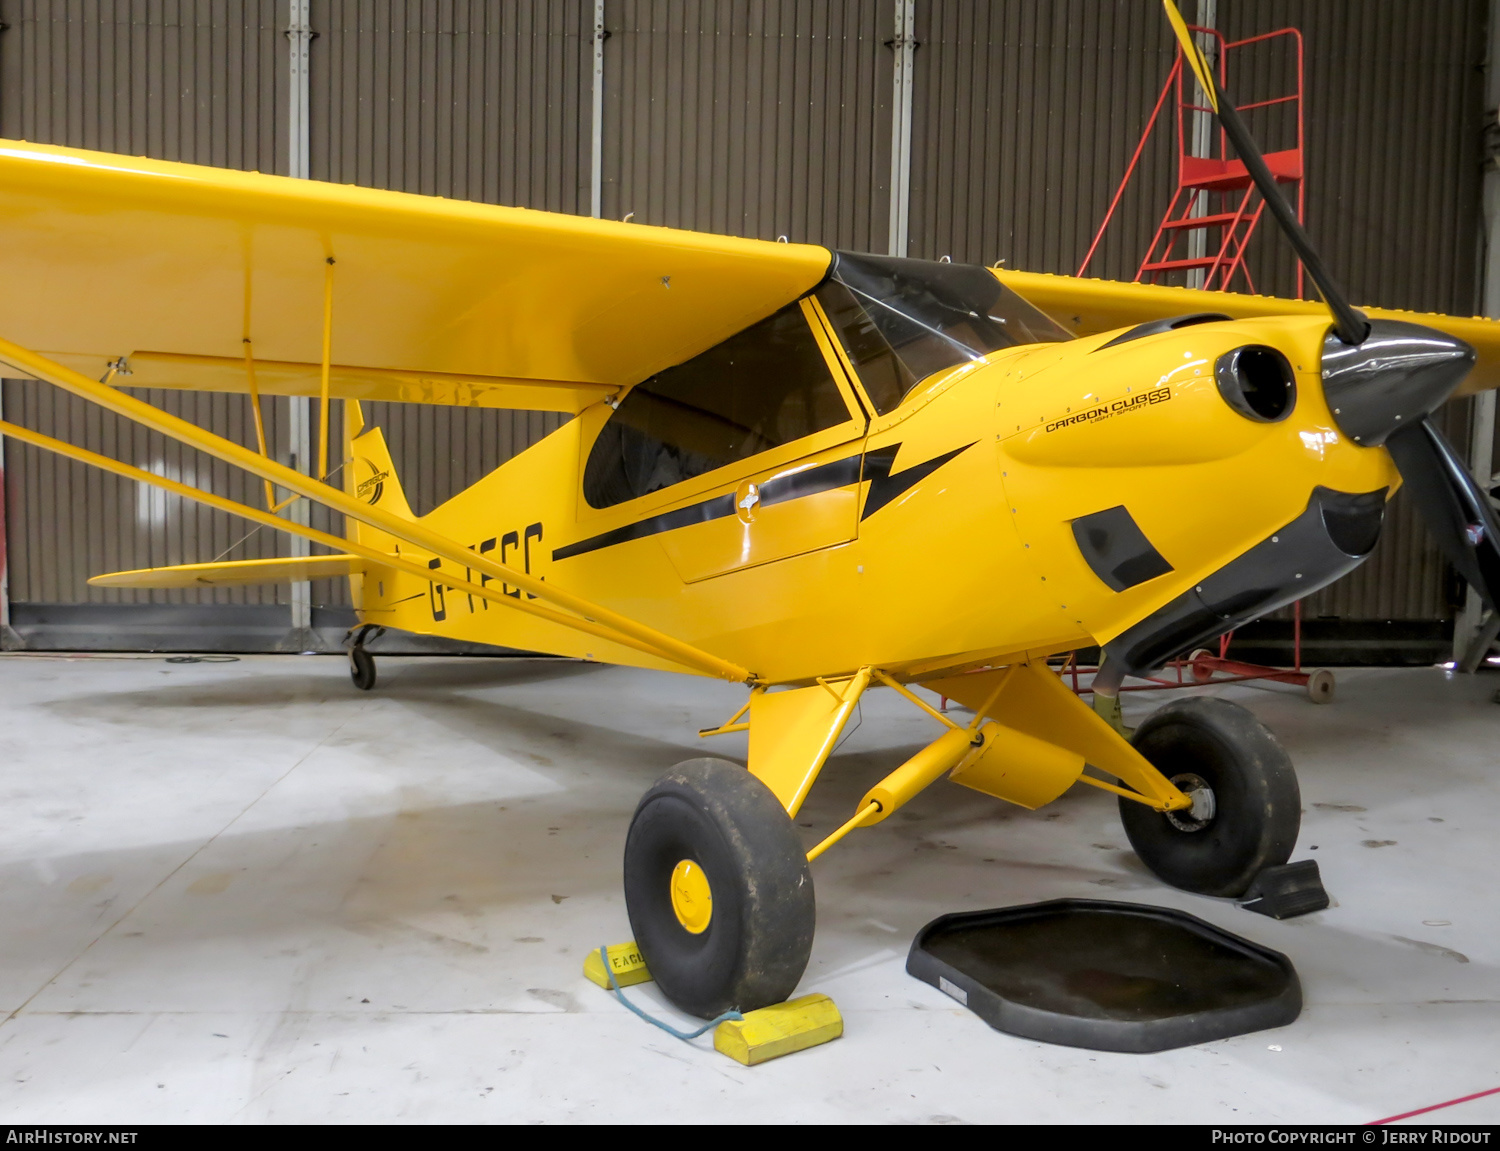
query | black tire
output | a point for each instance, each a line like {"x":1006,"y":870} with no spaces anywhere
{"x":361,"y":668}
{"x":1256,"y":808}
{"x":756,"y":943}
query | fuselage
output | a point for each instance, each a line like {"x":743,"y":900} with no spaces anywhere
{"x":980,"y":519}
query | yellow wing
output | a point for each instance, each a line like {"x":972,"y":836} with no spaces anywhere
{"x":235,"y":573}
{"x":175,"y":266}
{"x":1090,"y":306}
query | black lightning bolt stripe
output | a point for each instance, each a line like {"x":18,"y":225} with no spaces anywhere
{"x":875,"y":466}
{"x":885,"y":487}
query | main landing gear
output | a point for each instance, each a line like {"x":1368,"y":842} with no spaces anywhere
{"x":718,"y":889}
{"x":361,"y":662}
{"x":1246,"y":809}
{"x":717,"y":883}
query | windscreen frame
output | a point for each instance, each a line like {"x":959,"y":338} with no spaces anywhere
{"x":930,"y":316}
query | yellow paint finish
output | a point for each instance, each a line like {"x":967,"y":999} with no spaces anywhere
{"x":109,"y":255}
{"x":1147,"y":428}
{"x":779,"y":1030}
{"x":942,"y":576}
{"x":466,"y":303}
{"x":235,"y":573}
{"x":371,"y":476}
{"x":792,"y":733}
{"x":759,"y":533}
{"x":624,"y":960}
{"x":692,"y":897}
{"x":1088,"y":306}
{"x":896,"y":789}
{"x":1018,"y":768}
{"x":503,"y":505}
{"x":1036,"y":702}
{"x":586,"y":618}
{"x":347,"y":382}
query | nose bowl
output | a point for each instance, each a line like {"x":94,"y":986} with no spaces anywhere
{"x":1401,"y":373}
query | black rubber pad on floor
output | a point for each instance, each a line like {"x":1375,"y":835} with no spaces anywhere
{"x":1104,"y":975}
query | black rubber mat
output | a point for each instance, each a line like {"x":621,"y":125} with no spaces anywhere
{"x":1104,"y":975}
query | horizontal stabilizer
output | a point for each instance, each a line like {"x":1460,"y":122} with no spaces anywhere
{"x":236,"y":572}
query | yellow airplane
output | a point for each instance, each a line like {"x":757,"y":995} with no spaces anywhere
{"x":812,"y":473}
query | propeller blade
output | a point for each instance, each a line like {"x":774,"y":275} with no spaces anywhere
{"x":1350,"y":325}
{"x":1456,"y":510}
{"x":1194,"y":55}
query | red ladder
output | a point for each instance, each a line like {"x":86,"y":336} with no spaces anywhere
{"x":1215,"y":198}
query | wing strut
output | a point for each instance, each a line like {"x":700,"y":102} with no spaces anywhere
{"x":596,"y":619}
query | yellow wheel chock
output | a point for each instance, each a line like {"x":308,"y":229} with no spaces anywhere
{"x":779,"y":1030}
{"x":751,"y":1038}
{"x":625,"y":960}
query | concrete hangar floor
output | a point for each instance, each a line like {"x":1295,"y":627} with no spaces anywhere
{"x":245,"y":892}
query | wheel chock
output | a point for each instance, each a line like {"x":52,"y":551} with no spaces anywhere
{"x":1288,"y":890}
{"x":772,"y":1032}
{"x":625,"y":958}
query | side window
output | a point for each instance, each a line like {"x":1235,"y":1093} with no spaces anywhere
{"x":765,"y":387}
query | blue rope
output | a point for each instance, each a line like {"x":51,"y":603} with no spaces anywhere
{"x":668,"y":1028}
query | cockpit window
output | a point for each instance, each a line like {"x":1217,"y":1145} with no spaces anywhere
{"x":902,"y":320}
{"x":766,"y":386}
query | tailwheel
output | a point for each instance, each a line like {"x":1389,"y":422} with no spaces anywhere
{"x":361,"y":662}
{"x":361,"y":668}
{"x":1246,"y":808}
{"x":718,"y":890}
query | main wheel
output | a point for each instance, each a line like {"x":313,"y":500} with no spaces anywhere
{"x":1246,"y":809}
{"x":718,"y":889}
{"x":361,"y":668}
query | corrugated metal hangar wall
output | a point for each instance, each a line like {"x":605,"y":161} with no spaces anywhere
{"x":762,"y":118}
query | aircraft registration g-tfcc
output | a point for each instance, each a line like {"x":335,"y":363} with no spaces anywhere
{"x":814,"y":473}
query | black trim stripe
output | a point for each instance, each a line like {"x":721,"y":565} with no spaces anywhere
{"x":874,"y":466}
{"x":811,"y":481}
{"x":699,"y":513}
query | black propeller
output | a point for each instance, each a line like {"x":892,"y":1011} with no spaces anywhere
{"x":1383,"y":379}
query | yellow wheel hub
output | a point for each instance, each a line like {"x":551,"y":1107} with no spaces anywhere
{"x":692,"y":899}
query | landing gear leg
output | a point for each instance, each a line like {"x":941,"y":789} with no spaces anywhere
{"x":361,"y":662}
{"x":1246,"y":808}
{"x":718,"y":890}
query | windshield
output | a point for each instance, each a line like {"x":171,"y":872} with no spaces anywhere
{"x":902,"y":320}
